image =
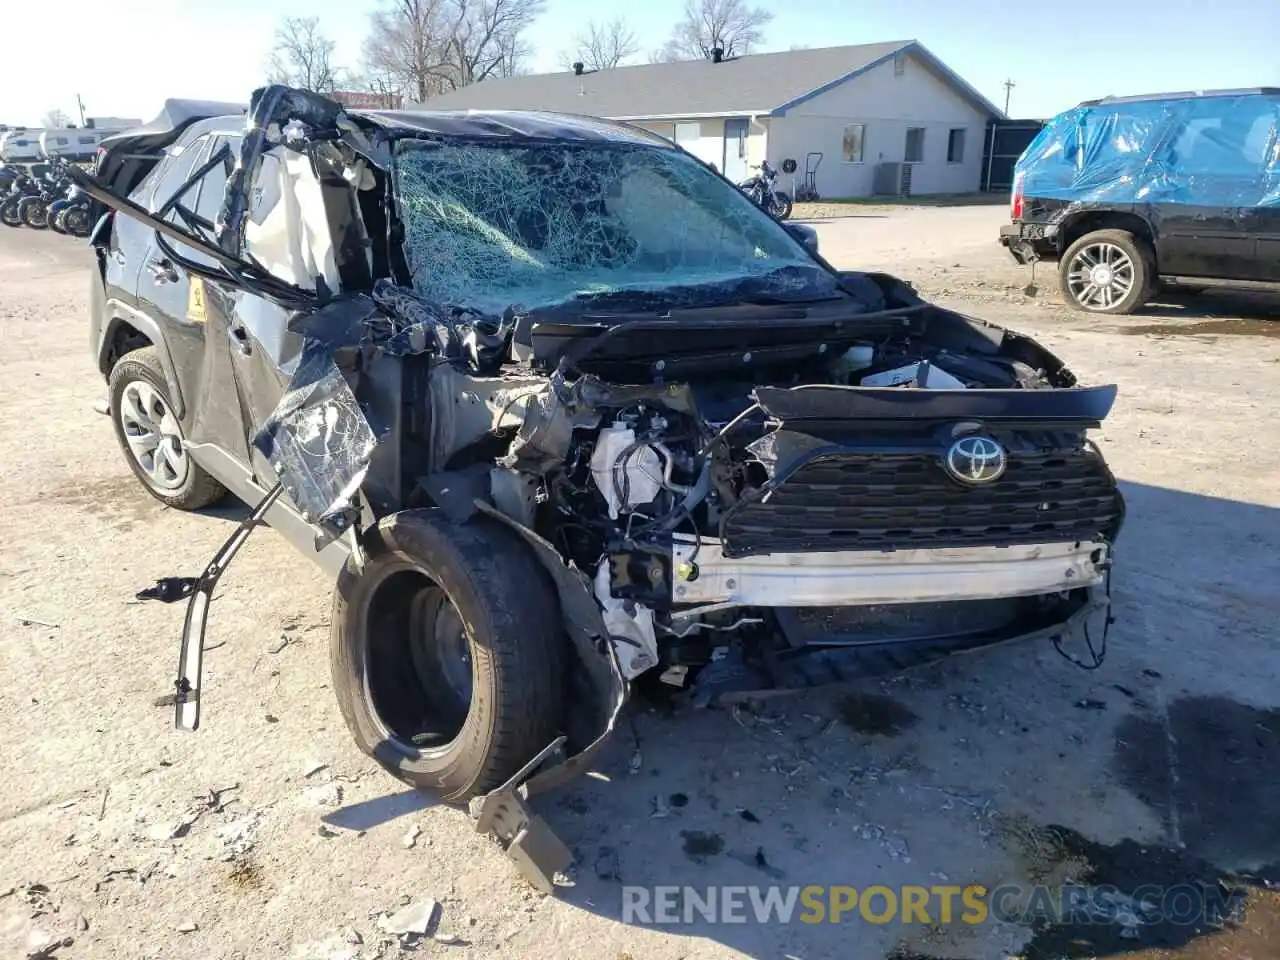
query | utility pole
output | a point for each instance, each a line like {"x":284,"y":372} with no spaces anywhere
{"x":80,"y":104}
{"x":1008,"y":89}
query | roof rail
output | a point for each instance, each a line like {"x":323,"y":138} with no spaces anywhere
{"x":1186,"y":95}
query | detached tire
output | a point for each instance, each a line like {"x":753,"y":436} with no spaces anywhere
{"x":428,"y":590}
{"x":1108,"y":271}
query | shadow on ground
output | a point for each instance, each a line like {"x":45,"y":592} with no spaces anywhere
{"x":371,"y":813}
{"x":1244,"y":311}
{"x":1010,"y":766}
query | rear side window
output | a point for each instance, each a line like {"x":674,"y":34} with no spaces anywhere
{"x":214,"y":184}
{"x":1223,"y":136}
{"x":168,"y":175}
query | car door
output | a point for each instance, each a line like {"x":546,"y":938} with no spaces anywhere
{"x":287,"y":232}
{"x":162,"y":288}
{"x":1207,"y":189}
{"x":1262,"y":220}
{"x":212,"y":306}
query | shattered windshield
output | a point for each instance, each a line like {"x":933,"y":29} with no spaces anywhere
{"x":535,"y":225}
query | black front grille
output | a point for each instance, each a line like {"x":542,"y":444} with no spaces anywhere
{"x":882,"y":501}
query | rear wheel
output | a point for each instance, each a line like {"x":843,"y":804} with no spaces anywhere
{"x":447,"y":653}
{"x":9,"y":214}
{"x":150,"y":434}
{"x":1107,"y":271}
{"x":36,"y":214}
{"x":781,"y":205}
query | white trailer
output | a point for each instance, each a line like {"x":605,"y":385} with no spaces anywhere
{"x":19,"y":146}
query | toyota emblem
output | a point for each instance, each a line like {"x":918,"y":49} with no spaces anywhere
{"x":976,"y":460}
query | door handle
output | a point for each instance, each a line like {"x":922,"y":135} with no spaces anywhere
{"x":240,"y":337}
{"x":163,"y":271}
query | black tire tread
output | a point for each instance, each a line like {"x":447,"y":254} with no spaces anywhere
{"x":505,"y":598}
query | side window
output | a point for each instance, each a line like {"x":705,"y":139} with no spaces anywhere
{"x":169,"y":174}
{"x":214,"y":185}
{"x":1224,"y":137}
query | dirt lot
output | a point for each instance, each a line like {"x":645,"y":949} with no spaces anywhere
{"x":267,"y":835}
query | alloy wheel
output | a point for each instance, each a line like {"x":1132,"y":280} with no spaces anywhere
{"x":154,"y":435}
{"x":1099,"y":276}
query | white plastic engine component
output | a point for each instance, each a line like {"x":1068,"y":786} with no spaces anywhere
{"x":853,"y":360}
{"x":630,"y":627}
{"x":639,"y":476}
{"x":922,"y":374}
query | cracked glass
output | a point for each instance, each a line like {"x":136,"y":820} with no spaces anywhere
{"x":534,"y":225}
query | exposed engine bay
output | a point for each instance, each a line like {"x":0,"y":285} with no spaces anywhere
{"x":712,"y":513}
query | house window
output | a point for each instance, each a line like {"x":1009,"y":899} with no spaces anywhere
{"x":955,"y":145}
{"x":852,"y":147}
{"x":899,"y":64}
{"x":688,"y":132}
{"x":915,"y":145}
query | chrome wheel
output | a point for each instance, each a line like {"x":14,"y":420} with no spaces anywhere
{"x":1100,"y":276}
{"x":154,"y":435}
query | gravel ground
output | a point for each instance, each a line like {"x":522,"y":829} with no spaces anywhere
{"x":268,"y":835}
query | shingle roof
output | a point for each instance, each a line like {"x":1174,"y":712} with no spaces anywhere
{"x":760,"y":83}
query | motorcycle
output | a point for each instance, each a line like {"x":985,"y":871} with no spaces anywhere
{"x":760,"y":189}
{"x":70,"y":215}
{"x":23,"y":186}
{"x":33,"y":209}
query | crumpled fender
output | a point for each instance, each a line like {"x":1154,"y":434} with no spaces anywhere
{"x":586,"y":629}
{"x":525,"y":837}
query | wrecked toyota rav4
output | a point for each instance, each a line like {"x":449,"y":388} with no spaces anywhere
{"x":560,"y":408}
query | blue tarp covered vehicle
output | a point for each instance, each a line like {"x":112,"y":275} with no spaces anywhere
{"x":1192,"y":181}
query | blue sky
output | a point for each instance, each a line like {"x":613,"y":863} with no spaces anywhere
{"x":125,"y":56}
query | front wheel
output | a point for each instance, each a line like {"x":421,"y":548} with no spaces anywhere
{"x":1107,"y":271}
{"x":781,"y":205}
{"x":75,"y":221}
{"x":447,"y":653}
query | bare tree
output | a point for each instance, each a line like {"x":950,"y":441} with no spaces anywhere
{"x":303,"y":56}
{"x":55,"y":118}
{"x":403,"y":45}
{"x":732,"y":26}
{"x":432,"y":46}
{"x":602,"y":46}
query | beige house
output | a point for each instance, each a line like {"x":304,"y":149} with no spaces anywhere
{"x":886,"y":117}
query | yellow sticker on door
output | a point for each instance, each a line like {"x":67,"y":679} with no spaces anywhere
{"x":195,"y":300}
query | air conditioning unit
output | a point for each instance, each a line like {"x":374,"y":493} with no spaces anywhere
{"x":892,"y":180}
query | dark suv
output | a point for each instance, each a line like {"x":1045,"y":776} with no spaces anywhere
{"x":560,"y":407}
{"x":1125,"y":193}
